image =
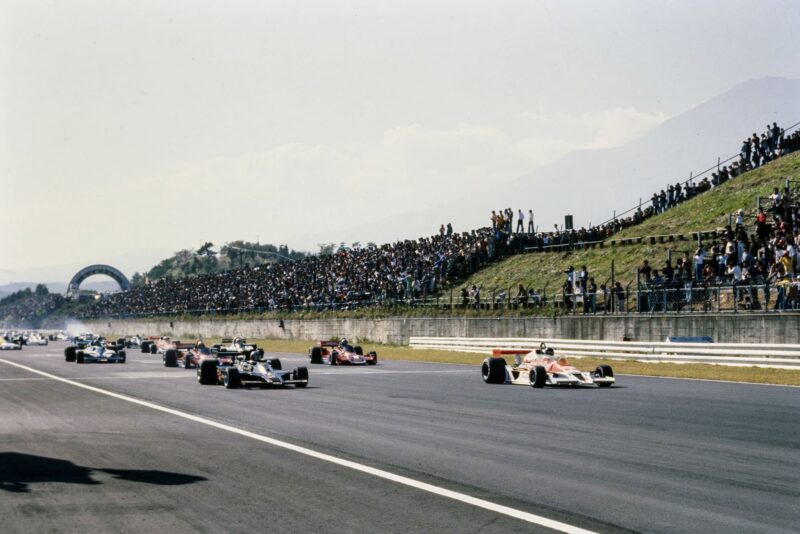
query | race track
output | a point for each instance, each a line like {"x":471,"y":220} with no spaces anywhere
{"x":149,"y":449}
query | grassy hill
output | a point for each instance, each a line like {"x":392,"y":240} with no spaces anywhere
{"x":707,"y":211}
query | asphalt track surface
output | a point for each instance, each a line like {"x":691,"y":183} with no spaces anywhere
{"x":650,"y":455}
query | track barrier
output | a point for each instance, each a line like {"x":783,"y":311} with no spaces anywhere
{"x":780,"y":356}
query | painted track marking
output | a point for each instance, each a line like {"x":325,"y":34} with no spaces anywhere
{"x":386,"y":475}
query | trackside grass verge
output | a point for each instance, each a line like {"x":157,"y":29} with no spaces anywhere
{"x":755,"y":375}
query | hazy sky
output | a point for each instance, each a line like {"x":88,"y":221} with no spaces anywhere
{"x":132,"y":129}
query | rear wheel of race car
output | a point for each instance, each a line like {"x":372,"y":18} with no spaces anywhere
{"x":275,"y":363}
{"x":604,"y":371}
{"x":122,"y":356}
{"x":69,"y":354}
{"x":121,"y":342}
{"x":358,"y":350}
{"x":374,"y":359}
{"x":493,"y":370}
{"x":315,"y":353}
{"x":538,"y":377}
{"x":146,"y":346}
{"x":232,"y":380}
{"x":207,"y":373}
{"x":79,"y":357}
{"x":171,"y":358}
{"x":153,"y":349}
{"x":301,"y":374}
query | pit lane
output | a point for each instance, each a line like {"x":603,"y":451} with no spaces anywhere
{"x":651,"y":455}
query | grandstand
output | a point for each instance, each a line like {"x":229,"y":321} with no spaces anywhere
{"x":511,"y":270}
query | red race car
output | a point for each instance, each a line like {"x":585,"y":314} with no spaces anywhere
{"x":341,"y":353}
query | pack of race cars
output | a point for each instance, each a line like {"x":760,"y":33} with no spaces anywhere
{"x":236,"y":363}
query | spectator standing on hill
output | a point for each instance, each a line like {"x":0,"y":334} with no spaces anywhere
{"x":522,"y":296}
{"x":619,"y":295}
{"x":530,"y":222}
{"x":520,"y":222}
{"x":699,"y":258}
{"x":583,"y":277}
{"x":591,"y":295}
{"x":449,"y":230}
{"x":645,"y":271}
{"x":669,"y":272}
{"x":475,"y":294}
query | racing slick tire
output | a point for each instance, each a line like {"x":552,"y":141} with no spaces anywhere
{"x":374,"y":360}
{"x":275,"y":363}
{"x":153,"y":348}
{"x":207,"y":373}
{"x":538,"y":376}
{"x":146,"y":346}
{"x":603,"y":371}
{"x":79,"y":357}
{"x":315,"y":354}
{"x":493,"y":370}
{"x":69,"y":354}
{"x":122,"y":356}
{"x":121,"y":343}
{"x":171,"y":358}
{"x":232,"y":380}
{"x":301,"y":373}
{"x":358,"y":350}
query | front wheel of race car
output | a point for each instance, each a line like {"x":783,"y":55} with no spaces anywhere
{"x":79,"y":357}
{"x":232,"y":380}
{"x":171,"y":358}
{"x":603,"y":371}
{"x":493,"y":370}
{"x":315,"y":354}
{"x":207,"y":373}
{"x":122,"y":356}
{"x":275,"y":363}
{"x":146,"y":347}
{"x":69,"y":354}
{"x":374,"y":360}
{"x":153,"y":349}
{"x":301,"y":373}
{"x":358,"y":350}
{"x":538,"y":377}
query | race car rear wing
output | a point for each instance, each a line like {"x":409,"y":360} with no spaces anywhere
{"x":327,"y":344}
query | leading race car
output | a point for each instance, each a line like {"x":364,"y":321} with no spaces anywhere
{"x":8,"y":345}
{"x":541,"y":368}
{"x":250,"y":370}
{"x":341,"y":353}
{"x":99,"y":351}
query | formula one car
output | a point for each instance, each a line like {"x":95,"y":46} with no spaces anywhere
{"x":100,"y":351}
{"x":36,"y":339}
{"x":541,"y":368}
{"x":236,"y":347}
{"x":191,"y":356}
{"x":248,"y":371}
{"x":8,"y":345}
{"x":341,"y":353}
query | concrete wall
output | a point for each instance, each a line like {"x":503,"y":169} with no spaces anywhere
{"x":731,"y":328}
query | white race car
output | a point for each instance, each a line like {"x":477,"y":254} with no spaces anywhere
{"x":36,"y":339}
{"x":98,"y":352}
{"x":7,"y":345}
{"x":541,"y":368}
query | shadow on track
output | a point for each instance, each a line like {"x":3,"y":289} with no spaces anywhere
{"x":18,"y":471}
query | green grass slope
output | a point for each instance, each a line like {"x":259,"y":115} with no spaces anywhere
{"x":704,"y":212}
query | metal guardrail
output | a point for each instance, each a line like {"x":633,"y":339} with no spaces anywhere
{"x":780,"y":356}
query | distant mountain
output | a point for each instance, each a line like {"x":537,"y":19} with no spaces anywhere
{"x":591,"y":184}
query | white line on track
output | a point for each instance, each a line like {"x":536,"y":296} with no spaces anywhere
{"x":386,"y":475}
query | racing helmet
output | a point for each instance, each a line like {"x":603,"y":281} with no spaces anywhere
{"x":343,"y":342}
